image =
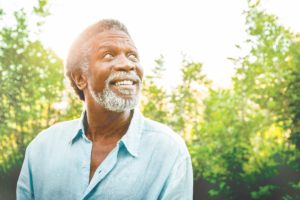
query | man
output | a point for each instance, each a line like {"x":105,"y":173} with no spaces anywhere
{"x":112,"y":152}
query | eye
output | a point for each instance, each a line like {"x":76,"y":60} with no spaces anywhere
{"x":108,"y":55}
{"x":133,"y":57}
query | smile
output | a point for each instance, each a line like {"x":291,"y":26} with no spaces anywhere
{"x":124,"y":82}
{"x":125,"y":87}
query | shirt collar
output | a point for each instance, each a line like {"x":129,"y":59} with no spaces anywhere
{"x":79,"y":128}
{"x":130,"y":140}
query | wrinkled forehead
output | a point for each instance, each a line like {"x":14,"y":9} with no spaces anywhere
{"x":111,"y":38}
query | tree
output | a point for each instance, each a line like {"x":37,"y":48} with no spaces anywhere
{"x":31,"y":81}
{"x":269,"y":73}
{"x":246,"y":132}
{"x":155,"y":99}
{"x":179,"y":107}
{"x":186,"y":99}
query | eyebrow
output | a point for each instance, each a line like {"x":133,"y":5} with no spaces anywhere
{"x":103,"y":47}
{"x":132,"y":48}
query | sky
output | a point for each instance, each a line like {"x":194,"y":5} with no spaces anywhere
{"x":205,"y":31}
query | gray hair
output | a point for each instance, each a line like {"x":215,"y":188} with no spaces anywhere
{"x":78,"y":57}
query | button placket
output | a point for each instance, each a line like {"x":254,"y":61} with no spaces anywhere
{"x":106,"y":166}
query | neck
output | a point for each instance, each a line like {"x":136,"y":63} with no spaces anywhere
{"x":104,"y":124}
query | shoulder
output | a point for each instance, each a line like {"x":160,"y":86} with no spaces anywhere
{"x":165,"y":137}
{"x":55,"y":134}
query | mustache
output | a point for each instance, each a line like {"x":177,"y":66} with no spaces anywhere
{"x":124,"y":75}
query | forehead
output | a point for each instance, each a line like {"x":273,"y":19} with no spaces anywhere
{"x":111,"y":38}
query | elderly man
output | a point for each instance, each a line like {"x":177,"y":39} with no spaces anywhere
{"x":112,"y":152}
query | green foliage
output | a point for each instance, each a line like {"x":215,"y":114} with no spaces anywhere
{"x":178,"y":108}
{"x":154,"y":96}
{"x":244,"y":140}
{"x":31,"y":81}
{"x":41,"y":9}
{"x":263,"y":191}
{"x":186,"y":99}
{"x":270,"y":72}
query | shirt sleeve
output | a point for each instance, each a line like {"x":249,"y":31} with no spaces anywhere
{"x":24,"y":185}
{"x":179,"y":184}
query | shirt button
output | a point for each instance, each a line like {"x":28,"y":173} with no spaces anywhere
{"x":84,"y":164}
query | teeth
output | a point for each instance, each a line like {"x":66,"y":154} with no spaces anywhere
{"x":125,"y":82}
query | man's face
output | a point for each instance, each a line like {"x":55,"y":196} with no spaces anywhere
{"x":114,"y":73}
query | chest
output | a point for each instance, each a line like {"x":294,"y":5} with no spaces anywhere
{"x":122,"y":175}
{"x":98,"y":154}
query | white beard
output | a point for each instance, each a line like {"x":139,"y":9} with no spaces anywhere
{"x":111,"y":101}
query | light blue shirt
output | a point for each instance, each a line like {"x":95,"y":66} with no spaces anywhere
{"x":149,"y":162}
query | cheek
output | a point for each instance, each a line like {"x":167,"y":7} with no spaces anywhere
{"x":97,"y":79}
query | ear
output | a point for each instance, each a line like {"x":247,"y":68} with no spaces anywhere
{"x":79,"y":79}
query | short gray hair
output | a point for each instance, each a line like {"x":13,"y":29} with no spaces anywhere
{"x":78,"y":57}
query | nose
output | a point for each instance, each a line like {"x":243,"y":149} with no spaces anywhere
{"x":122,"y":63}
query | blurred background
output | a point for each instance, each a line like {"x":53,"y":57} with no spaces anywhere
{"x":225,"y":75}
